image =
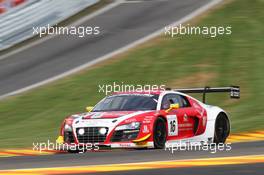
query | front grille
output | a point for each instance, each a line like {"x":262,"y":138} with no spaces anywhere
{"x":91,"y":135}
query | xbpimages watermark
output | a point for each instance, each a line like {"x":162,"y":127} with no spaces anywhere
{"x":212,"y":31}
{"x":49,"y":146}
{"x":79,"y":31}
{"x":197,"y":146}
{"x":122,"y":87}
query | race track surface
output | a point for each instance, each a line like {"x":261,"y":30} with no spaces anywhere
{"x":127,"y":22}
{"x":244,"y":169}
{"x":125,"y":156}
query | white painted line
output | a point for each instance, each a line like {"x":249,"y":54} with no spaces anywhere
{"x":123,"y":49}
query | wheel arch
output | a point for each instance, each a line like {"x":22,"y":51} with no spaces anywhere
{"x":154,"y":125}
{"x":220,"y":135}
{"x":223,"y":113}
{"x":164,"y":118}
{"x":161,"y":116}
{"x":226,"y":116}
{"x":212,"y":113}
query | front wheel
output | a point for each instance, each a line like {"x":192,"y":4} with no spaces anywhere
{"x":159,"y":133}
{"x":222,"y":128}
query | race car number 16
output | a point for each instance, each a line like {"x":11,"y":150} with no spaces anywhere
{"x":172,"y":125}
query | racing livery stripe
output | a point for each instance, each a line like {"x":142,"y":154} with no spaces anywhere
{"x":246,"y":137}
{"x":141,"y":166}
{"x":25,"y":152}
{"x":30,"y":152}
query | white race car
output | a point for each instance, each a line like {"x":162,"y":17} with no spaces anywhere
{"x":149,"y":119}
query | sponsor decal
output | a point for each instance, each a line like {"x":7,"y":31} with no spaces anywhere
{"x":185,"y":118}
{"x":126,"y":145}
{"x":145,"y":129}
{"x":130,"y":120}
{"x":146,"y":121}
{"x":185,"y":125}
{"x":185,"y":129}
{"x":90,"y":122}
{"x":148,"y":117}
{"x":119,"y":114}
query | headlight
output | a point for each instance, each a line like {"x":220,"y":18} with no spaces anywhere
{"x":130,"y":126}
{"x":67,"y":127}
{"x":102,"y":131}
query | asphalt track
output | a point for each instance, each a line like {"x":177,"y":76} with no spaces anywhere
{"x":244,"y":169}
{"x":126,"y":23}
{"x":136,"y":156}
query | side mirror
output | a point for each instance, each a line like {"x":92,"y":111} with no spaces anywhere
{"x":173,"y":106}
{"x":89,"y":108}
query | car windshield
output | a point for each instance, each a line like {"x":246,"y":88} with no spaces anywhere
{"x":128,"y":102}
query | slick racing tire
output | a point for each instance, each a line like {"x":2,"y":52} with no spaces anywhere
{"x":159,"y":133}
{"x":222,"y":128}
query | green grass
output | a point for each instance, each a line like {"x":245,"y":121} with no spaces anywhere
{"x":237,"y":59}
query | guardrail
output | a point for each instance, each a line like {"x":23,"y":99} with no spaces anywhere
{"x":17,"y":24}
{"x":6,"y":5}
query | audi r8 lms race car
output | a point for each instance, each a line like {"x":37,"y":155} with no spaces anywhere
{"x":149,"y":120}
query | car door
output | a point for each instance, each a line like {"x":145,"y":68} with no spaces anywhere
{"x":187,"y":123}
{"x":180,"y":122}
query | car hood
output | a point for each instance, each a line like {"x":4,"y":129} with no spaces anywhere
{"x":106,"y":115}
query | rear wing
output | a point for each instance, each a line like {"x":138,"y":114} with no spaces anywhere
{"x":233,"y":90}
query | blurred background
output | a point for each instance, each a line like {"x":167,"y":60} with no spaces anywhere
{"x":6,"y":5}
{"x":182,"y":61}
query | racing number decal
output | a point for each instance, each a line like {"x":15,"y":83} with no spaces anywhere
{"x":172,"y":125}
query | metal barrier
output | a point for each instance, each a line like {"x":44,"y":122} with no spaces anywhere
{"x":6,"y":5}
{"x":17,"y":24}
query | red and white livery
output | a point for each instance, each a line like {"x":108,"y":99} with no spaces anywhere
{"x":150,"y":120}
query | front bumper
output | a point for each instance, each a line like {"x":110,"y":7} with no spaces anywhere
{"x":92,"y":147}
{"x":138,"y":143}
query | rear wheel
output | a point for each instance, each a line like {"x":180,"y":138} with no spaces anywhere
{"x":159,"y":133}
{"x":222,"y":128}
